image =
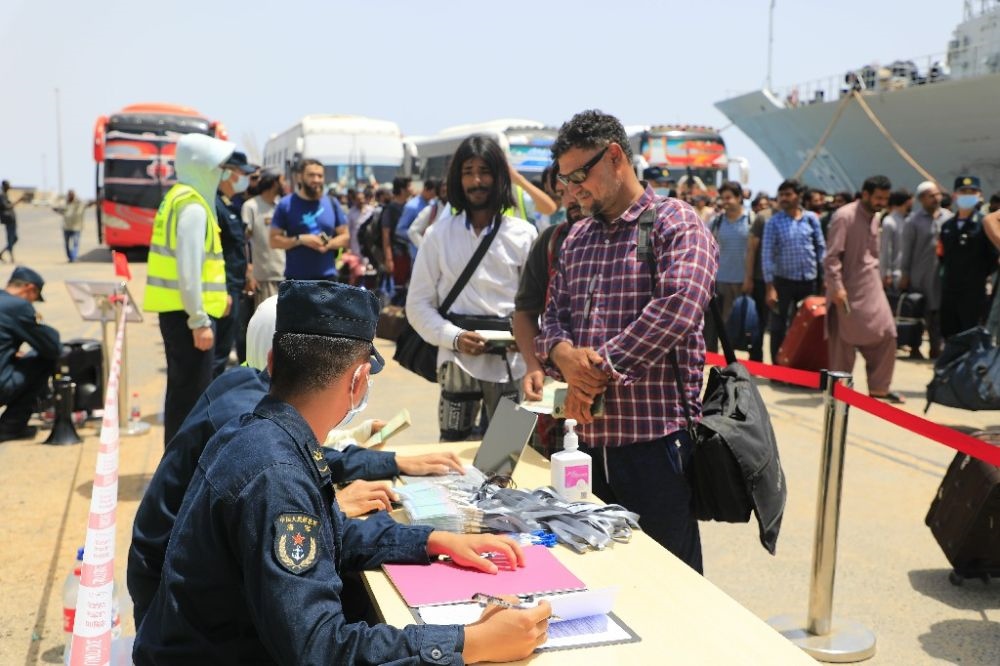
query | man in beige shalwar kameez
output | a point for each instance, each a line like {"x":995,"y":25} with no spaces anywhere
{"x":858,"y":316}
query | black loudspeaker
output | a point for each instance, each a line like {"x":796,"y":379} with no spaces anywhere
{"x":63,"y":431}
{"x":83,"y":360}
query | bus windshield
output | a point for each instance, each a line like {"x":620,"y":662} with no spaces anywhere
{"x":138,"y":168}
{"x":349,"y":175}
{"x":531,"y":159}
{"x":680,"y":150}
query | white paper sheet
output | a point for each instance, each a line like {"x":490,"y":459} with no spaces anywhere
{"x":583,"y":618}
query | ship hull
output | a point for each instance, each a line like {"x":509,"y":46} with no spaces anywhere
{"x":950,"y":128}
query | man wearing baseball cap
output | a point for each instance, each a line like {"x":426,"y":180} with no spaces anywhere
{"x":967,"y":258}
{"x":22,"y":379}
{"x":253,"y":569}
{"x":235,"y":180}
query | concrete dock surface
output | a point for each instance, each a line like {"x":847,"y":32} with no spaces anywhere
{"x":891,"y":575}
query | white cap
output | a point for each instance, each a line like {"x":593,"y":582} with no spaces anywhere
{"x":926,"y":186}
{"x":570,"y":440}
{"x":260,"y":333}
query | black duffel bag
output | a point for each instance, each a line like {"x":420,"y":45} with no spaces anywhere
{"x":412,"y":351}
{"x":735,"y":468}
{"x":967,"y":373}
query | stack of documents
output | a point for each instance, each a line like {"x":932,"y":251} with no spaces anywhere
{"x":441,"y":593}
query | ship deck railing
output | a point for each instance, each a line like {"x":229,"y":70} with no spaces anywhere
{"x":897,"y":75}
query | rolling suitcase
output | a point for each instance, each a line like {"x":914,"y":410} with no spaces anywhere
{"x":964,"y":518}
{"x":804,"y":346}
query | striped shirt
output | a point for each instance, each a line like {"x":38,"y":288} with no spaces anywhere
{"x":732,"y":237}
{"x":602,"y":297}
{"x":792,"y":248}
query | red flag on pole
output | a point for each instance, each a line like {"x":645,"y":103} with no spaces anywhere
{"x":121,"y":265}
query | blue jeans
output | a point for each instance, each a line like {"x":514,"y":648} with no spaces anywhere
{"x":11,"y":229}
{"x":648,"y":478}
{"x":71,"y":240}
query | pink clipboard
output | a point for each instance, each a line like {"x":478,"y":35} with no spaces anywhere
{"x":448,"y":583}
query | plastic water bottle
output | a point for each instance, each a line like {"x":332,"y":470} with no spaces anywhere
{"x":71,"y":589}
{"x":116,"y":615}
{"x":134,"y":414}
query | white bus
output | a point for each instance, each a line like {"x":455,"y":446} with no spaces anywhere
{"x":353,"y":149}
{"x":527,"y":144}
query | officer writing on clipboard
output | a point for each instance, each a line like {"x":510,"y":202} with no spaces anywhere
{"x":253,"y":568}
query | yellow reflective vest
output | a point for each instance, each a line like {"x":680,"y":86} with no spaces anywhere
{"x":520,"y":208}
{"x":163,"y":293}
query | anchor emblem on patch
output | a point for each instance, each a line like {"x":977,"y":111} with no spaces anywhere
{"x":295,"y":541}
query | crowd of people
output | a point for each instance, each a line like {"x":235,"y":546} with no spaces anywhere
{"x":247,"y":543}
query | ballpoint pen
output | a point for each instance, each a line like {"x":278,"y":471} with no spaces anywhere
{"x":484,"y":600}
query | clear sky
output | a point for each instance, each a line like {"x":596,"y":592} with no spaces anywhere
{"x":425,"y":64}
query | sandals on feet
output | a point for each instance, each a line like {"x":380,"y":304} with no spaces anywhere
{"x":890,"y":397}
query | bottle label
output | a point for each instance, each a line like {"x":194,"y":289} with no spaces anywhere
{"x":69,"y":615}
{"x":574,"y":474}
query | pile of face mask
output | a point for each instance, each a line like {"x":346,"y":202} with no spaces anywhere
{"x":579,"y":525}
{"x":438,"y":506}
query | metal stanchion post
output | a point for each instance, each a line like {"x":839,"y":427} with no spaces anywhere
{"x":822,"y":636}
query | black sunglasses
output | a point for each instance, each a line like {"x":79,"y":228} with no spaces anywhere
{"x":579,"y":175}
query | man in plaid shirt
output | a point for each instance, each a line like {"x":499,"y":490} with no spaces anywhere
{"x":608,"y":329}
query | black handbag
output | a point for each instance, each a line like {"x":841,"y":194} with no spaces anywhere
{"x":967,"y":374}
{"x":735,"y":468}
{"x":412,"y":351}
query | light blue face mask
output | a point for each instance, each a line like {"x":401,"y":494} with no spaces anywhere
{"x":355,"y":410}
{"x":242,"y":184}
{"x":967,"y":201}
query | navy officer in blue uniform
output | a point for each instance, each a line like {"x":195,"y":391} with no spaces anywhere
{"x":233,"y":234}
{"x":967,"y":258}
{"x":23,"y":377}
{"x":234,"y":393}
{"x":252,"y":570}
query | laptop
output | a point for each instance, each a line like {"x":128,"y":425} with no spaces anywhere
{"x":509,"y":431}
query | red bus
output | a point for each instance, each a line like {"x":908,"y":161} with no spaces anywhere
{"x":134,"y":151}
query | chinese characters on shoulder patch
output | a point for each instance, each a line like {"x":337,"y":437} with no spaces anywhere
{"x":295,"y":541}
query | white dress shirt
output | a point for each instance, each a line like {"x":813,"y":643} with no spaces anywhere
{"x":447,"y":248}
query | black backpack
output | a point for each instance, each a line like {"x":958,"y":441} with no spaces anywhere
{"x":370,"y":238}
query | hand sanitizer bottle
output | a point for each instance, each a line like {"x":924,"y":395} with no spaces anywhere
{"x":571,"y":468}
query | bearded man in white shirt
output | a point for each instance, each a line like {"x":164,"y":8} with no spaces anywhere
{"x":471,"y":375}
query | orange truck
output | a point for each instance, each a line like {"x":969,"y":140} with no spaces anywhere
{"x":134,"y":153}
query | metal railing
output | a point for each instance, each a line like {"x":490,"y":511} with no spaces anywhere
{"x":959,"y":62}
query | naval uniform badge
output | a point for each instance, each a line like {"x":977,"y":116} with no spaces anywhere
{"x":295,"y":544}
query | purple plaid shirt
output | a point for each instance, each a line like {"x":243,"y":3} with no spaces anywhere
{"x":602,"y":297}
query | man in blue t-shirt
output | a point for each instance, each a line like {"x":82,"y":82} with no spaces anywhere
{"x":310,"y":227}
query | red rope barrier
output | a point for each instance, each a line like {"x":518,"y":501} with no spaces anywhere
{"x":915,"y":424}
{"x":803,"y":378}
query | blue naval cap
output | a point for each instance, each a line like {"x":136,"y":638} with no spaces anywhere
{"x":25,"y":274}
{"x":967,"y":181}
{"x":331,"y":309}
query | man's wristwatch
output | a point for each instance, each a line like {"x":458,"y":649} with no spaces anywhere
{"x":297,"y":240}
